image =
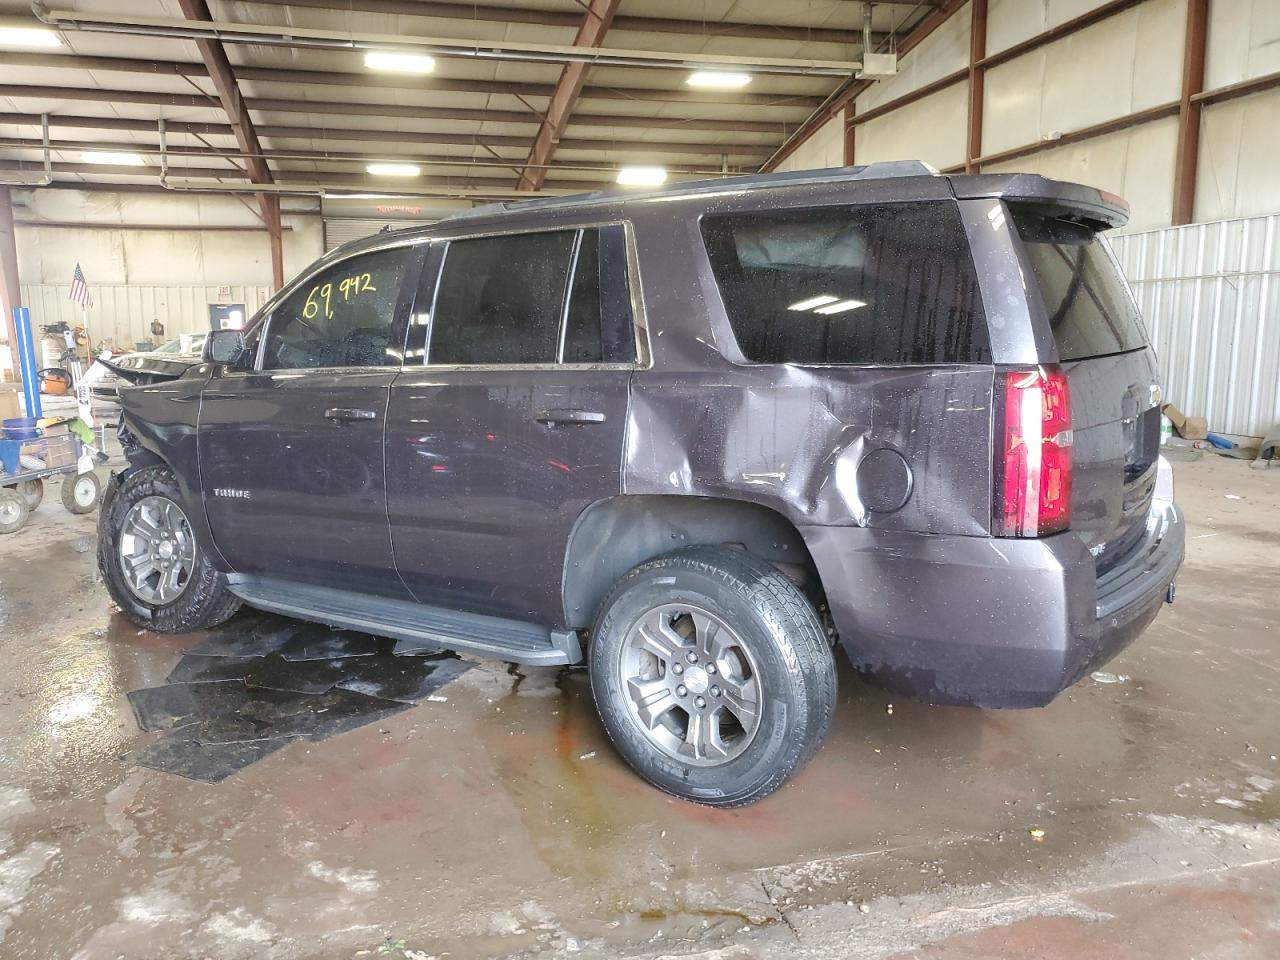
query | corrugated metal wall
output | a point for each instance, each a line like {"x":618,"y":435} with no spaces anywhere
{"x":122,"y":312}
{"x":1210,"y":293}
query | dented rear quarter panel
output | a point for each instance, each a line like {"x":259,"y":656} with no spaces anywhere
{"x":704,"y":422}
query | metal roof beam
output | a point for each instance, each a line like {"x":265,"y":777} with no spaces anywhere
{"x":400,"y":82}
{"x":595,"y":24}
{"x":226,"y":31}
{"x":569,"y":20}
{"x":641,"y":148}
{"x":406,"y":111}
{"x":224,"y":82}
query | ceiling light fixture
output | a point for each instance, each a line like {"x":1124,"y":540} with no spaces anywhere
{"x":112,"y":159}
{"x":399,"y":62}
{"x":28,"y":37}
{"x":394,"y":169}
{"x":718,"y":79}
{"x":840,"y":306}
{"x":819,"y":301}
{"x":642,"y":176}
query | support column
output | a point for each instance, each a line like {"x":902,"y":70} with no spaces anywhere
{"x":10,"y":291}
{"x":276,"y":235}
{"x":1187,"y":159}
{"x":977,"y":83}
{"x":850,"y":111}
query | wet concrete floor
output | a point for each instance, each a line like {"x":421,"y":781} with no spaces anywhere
{"x":493,"y":819}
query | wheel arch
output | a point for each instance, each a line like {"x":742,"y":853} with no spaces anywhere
{"x":615,"y":534}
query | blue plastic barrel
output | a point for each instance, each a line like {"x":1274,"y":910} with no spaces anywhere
{"x":22,"y":428}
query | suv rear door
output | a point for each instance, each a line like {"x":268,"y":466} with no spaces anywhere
{"x":291,"y":451}
{"x":1112,"y":372}
{"x":516,"y":421}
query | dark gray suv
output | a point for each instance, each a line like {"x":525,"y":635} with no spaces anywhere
{"x":702,"y":434}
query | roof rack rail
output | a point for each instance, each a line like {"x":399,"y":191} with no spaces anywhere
{"x":756,"y":181}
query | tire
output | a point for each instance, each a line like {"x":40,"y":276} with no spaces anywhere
{"x":32,"y":491}
{"x":81,"y":493}
{"x":13,"y":510}
{"x":752,"y":622}
{"x":203,"y":599}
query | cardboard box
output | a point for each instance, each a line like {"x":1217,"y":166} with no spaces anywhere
{"x":1189,"y":428}
{"x":10,"y":401}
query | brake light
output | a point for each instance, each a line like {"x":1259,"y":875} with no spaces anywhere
{"x":1033,"y":453}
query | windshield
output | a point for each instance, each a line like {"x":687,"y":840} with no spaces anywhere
{"x":173,"y":346}
{"x":1090,"y":309}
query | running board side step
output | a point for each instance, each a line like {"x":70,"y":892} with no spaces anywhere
{"x":513,"y":641}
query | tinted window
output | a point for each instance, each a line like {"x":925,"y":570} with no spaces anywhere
{"x":888,"y":283}
{"x":500,"y":299}
{"x":598,"y":324}
{"x":1090,"y":309}
{"x":342,"y":317}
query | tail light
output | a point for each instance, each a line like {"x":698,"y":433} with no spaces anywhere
{"x":1033,"y":453}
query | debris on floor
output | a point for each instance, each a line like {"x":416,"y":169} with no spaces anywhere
{"x":262,"y":682}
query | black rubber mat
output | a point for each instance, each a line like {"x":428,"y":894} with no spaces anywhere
{"x":261,"y":682}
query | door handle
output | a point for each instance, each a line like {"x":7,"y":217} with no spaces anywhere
{"x":349,"y":413}
{"x":570,"y":416}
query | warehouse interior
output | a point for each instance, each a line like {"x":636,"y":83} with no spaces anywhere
{"x":167,"y":166}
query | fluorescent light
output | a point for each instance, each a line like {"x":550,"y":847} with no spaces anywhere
{"x":28,"y":37}
{"x":394,"y":169}
{"x":642,"y":176}
{"x":399,"y":62}
{"x":112,"y":159}
{"x":818,"y":301}
{"x":719,"y":79}
{"x":840,"y":306}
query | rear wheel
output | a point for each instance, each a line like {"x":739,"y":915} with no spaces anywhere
{"x":153,"y":567}
{"x":32,"y":491}
{"x":13,"y":510}
{"x":712,"y":675}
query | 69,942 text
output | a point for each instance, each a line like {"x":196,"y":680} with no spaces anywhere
{"x":323,"y":294}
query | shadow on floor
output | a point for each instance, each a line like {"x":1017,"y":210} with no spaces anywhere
{"x":261,"y":682}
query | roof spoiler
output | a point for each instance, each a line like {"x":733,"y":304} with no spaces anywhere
{"x":1094,"y":208}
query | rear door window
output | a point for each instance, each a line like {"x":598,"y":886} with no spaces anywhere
{"x":867,"y":284}
{"x":1090,"y":309}
{"x":536,"y":298}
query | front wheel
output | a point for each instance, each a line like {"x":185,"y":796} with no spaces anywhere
{"x":712,"y":674}
{"x":154,"y":569}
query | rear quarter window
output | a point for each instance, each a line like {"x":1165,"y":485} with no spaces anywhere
{"x":865,"y":284}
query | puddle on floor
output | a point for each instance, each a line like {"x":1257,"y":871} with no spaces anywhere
{"x":261,"y":682}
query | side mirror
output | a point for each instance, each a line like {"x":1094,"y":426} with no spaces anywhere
{"x":226,"y":347}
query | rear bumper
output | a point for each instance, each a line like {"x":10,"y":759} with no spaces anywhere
{"x":989,"y":622}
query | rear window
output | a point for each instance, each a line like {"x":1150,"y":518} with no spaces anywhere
{"x":868,"y":284}
{"x":1090,"y":309}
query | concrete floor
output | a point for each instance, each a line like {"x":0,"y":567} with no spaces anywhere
{"x":498,"y":822}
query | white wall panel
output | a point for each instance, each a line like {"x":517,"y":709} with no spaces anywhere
{"x":1243,"y":41}
{"x":1239,"y":146}
{"x":824,"y":149}
{"x":1126,"y":63}
{"x":186,"y":254}
{"x":1136,"y":163}
{"x":122,"y":313}
{"x":932,"y":130}
{"x":1013,"y":21}
{"x":1210,"y":294}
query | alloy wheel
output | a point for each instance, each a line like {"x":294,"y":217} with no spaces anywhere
{"x":692,"y":685}
{"x":157,"y":550}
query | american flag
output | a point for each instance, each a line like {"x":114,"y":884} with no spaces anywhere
{"x":80,"y":289}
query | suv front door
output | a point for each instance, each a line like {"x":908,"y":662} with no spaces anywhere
{"x":291,"y":451}
{"x":516,"y":422}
